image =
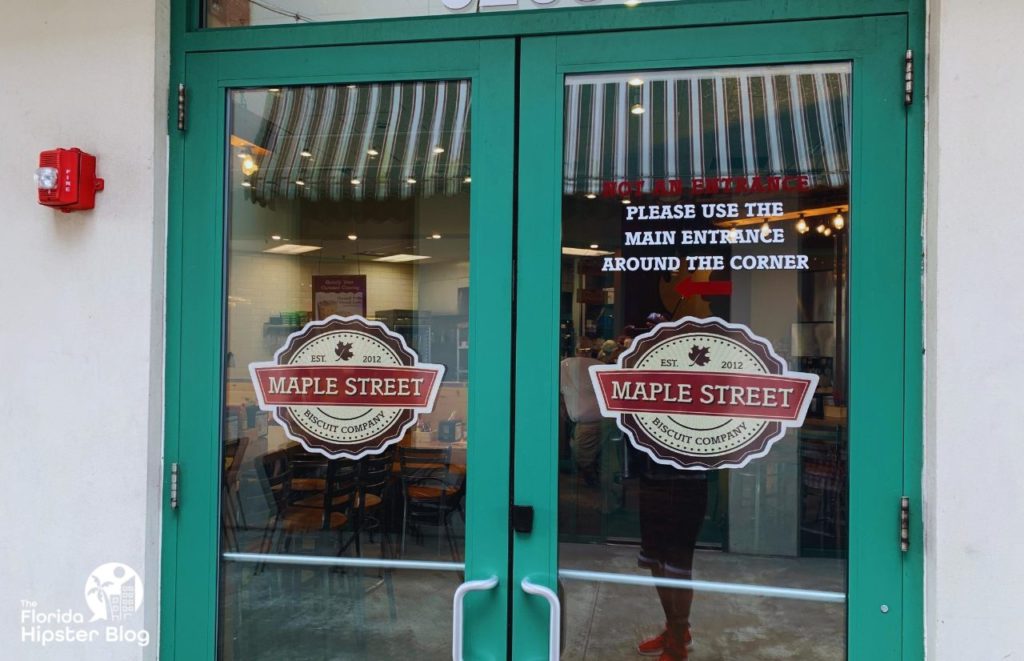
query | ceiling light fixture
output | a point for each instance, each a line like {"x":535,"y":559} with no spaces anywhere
{"x":291,"y":249}
{"x":838,"y":221}
{"x":636,"y":82}
{"x":593,"y":246}
{"x":584,"y":252}
{"x":438,"y":150}
{"x":627,"y":201}
{"x":373,"y":152}
{"x":637,"y":109}
{"x":591,"y":196}
{"x":801,"y":225}
{"x":820,"y":229}
{"x":631,"y":3}
{"x":401,"y":257}
{"x":410,"y":180}
{"x":467,"y":180}
{"x":355,"y":181}
{"x":276,"y":237}
{"x":305,"y":153}
{"x":299,"y":182}
{"x":246,"y":184}
{"x":352,"y":237}
{"x":435,"y":235}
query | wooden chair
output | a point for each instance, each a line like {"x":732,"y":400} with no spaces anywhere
{"x":431,"y":492}
{"x":287,"y":519}
{"x":231,"y":502}
{"x":373,"y":513}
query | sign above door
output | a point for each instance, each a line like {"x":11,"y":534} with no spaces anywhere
{"x":236,"y":14}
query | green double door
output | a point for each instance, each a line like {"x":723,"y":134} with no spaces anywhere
{"x":520,"y":212}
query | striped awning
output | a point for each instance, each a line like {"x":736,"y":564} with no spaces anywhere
{"x":332,"y":142}
{"x":740,"y":122}
{"x":396,"y":140}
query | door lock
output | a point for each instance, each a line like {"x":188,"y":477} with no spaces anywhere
{"x":522,"y":518}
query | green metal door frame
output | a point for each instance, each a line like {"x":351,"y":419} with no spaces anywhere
{"x":209,"y":61}
{"x":875,"y":46}
{"x":196,"y":305}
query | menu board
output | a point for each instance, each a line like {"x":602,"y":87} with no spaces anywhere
{"x":343,"y":295}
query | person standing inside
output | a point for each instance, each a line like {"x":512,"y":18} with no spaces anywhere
{"x":583,"y":410}
{"x":672,"y":507}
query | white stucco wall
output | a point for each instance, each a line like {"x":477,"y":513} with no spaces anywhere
{"x":81,"y":318}
{"x":975,"y":332}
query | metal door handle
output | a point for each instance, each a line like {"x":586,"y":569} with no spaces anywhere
{"x":555,"y":607}
{"x":460,"y":592}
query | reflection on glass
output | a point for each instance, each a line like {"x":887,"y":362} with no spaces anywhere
{"x":344,"y":200}
{"x":761,"y":154}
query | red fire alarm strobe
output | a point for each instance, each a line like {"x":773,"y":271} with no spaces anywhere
{"x":67,"y":179}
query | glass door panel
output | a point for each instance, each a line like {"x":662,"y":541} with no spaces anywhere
{"x":689,"y":196}
{"x":356,"y":208}
{"x":345,"y":201}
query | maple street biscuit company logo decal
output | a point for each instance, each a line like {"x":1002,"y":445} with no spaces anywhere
{"x":346,"y":386}
{"x":702,"y":394}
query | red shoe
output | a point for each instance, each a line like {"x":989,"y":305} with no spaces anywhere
{"x":656,"y":645}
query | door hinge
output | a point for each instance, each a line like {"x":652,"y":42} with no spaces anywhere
{"x":904,"y":524}
{"x":181,"y":106}
{"x":175,"y":471}
{"x":908,"y":78}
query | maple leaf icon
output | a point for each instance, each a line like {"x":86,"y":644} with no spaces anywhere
{"x":699,"y":356}
{"x":344,"y":350}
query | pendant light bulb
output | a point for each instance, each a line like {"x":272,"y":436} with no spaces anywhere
{"x":801,"y":226}
{"x":249,"y":166}
{"x":838,"y":221}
